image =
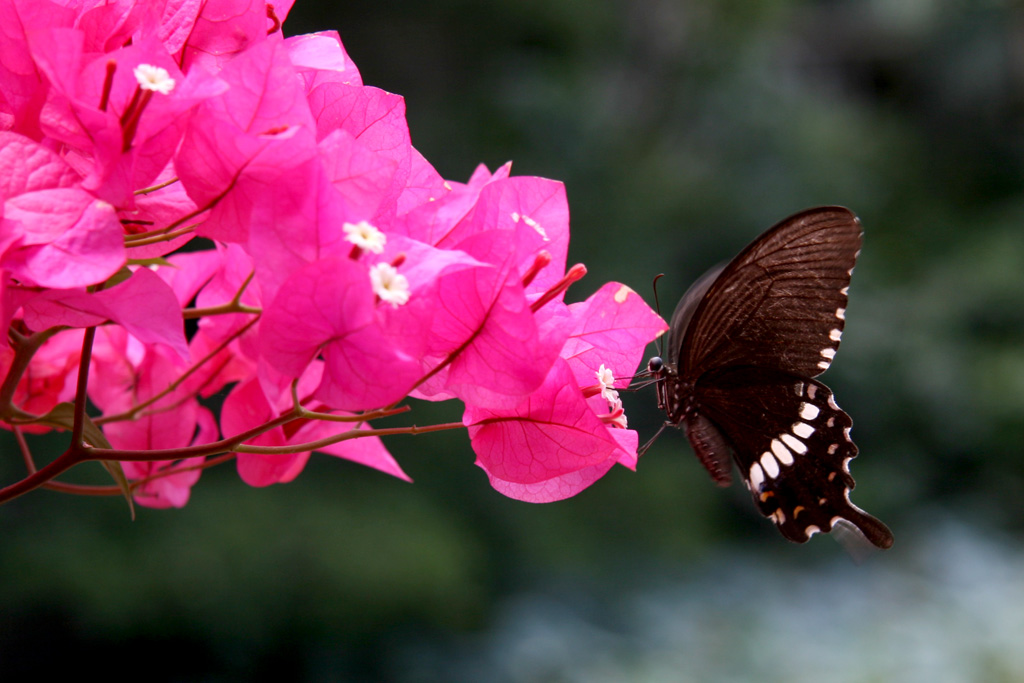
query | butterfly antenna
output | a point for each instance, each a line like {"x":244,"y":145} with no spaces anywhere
{"x":657,"y":306}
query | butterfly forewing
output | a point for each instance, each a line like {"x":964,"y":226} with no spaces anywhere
{"x":793,"y":448}
{"x":781,"y":303}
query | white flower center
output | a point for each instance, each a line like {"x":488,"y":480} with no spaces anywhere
{"x":607,"y":381}
{"x":365,"y":236}
{"x":389,"y":285}
{"x":618,"y":414}
{"x":153,"y":78}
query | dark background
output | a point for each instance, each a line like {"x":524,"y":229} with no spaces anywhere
{"x":682,"y":130}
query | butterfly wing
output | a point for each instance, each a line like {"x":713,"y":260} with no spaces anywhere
{"x":749,"y":340}
{"x":781,"y":303}
{"x":793,"y":448}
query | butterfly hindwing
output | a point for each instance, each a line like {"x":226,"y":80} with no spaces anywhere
{"x":793,"y":448}
{"x":781,"y":303}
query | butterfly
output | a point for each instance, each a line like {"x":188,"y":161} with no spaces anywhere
{"x":744,"y":346}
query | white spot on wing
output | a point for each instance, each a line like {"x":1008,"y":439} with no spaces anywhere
{"x":781,"y":452}
{"x":808,"y":411}
{"x":771,"y":466}
{"x":811,"y":391}
{"x":828,"y":354}
{"x":795,"y":445}
{"x":756,"y":477}
{"x":841,"y":313}
{"x":835,"y":335}
{"x":802,"y":429}
{"x":811,"y":530}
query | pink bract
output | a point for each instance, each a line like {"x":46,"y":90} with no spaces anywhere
{"x":331,"y":271}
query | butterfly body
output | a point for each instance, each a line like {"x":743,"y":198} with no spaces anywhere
{"x":744,"y":346}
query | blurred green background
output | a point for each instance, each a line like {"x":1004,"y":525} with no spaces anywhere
{"x":682,"y":130}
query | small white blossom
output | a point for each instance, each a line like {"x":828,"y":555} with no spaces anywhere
{"x":389,"y":285}
{"x":617,"y":416}
{"x":154,"y":78}
{"x":365,"y":236}
{"x":607,"y":381}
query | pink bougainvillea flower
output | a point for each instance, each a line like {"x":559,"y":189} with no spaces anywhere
{"x":487,"y":314}
{"x":432,"y":218}
{"x":534,"y":211}
{"x":123,"y":112}
{"x":321,"y":58}
{"x":552,"y":445}
{"x":611,"y":328}
{"x":123,"y":374}
{"x":344,"y":271}
{"x":27,"y":166}
{"x":158,"y":489}
{"x":374,"y":117}
{"x":572,"y":430}
{"x":24,"y":90}
{"x":50,"y":377}
{"x":243,"y":141}
{"x":143,"y":304}
{"x":247,"y":407}
{"x":62,"y":237}
{"x":225,"y":28}
{"x":330,"y":305}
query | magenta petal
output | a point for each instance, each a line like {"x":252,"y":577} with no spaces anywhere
{"x":613,"y":328}
{"x":146,"y":306}
{"x":425,"y":184}
{"x":554,"y":489}
{"x":321,"y":58}
{"x":71,"y":240}
{"x":225,"y":28}
{"x":551,"y":434}
{"x":506,"y":358}
{"x":247,"y":407}
{"x":257,"y":469}
{"x":329,"y":305}
{"x":23,"y":87}
{"x":143,"y":304}
{"x":26,"y":166}
{"x":242,"y":142}
{"x":316,"y":304}
{"x":361,"y":176}
{"x":535,"y":210}
{"x":362,"y":371}
{"x":368,"y":450}
{"x":374,"y":117}
{"x":628,"y":441}
{"x":165,"y":491}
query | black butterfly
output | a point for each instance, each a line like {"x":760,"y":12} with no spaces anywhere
{"x":744,"y":345}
